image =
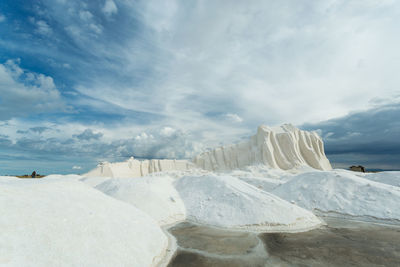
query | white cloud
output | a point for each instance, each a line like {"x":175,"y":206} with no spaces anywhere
{"x":96,"y":28}
{"x":109,"y":8}
{"x":24,"y":93}
{"x":43,"y":28}
{"x":269,"y":61}
{"x":2,"y":18}
{"x":233,"y":117}
{"x":167,"y":131}
{"x":114,"y":144}
{"x":85,"y":15}
{"x":76,"y":167}
{"x":195,"y":66}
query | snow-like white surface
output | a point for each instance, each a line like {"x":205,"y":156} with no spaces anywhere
{"x":74,"y":220}
{"x":225,"y":201}
{"x":390,"y":178}
{"x":265,"y":184}
{"x":342,"y":192}
{"x":62,"y":222}
{"x":137,"y":168}
{"x":154,"y":195}
{"x":94,"y":181}
{"x":284,"y":147}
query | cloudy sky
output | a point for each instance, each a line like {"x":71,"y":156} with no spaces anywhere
{"x":86,"y":81}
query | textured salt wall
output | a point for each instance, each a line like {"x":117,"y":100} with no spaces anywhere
{"x":138,"y":168}
{"x":285,"y":147}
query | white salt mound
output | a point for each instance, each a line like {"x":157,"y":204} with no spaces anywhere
{"x":59,"y":222}
{"x":390,"y":178}
{"x":94,"y":181}
{"x":342,"y":192}
{"x":284,"y":147}
{"x":137,"y":168}
{"x":225,"y":201}
{"x":265,"y":184}
{"x":155,"y":196}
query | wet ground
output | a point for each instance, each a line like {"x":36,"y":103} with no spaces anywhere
{"x":340,"y":243}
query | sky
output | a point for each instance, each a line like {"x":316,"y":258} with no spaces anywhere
{"x":86,"y":81}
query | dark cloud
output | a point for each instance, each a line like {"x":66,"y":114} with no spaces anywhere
{"x":88,"y":134}
{"x":370,"y":137}
{"x":39,"y":129}
{"x":4,"y":141}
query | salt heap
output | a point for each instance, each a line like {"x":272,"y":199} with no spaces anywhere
{"x":138,"y":168}
{"x":226,"y":201}
{"x":63,"y":222}
{"x":154,"y":195}
{"x":342,"y":192}
{"x":285,"y":147}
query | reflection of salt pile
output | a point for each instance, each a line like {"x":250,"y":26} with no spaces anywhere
{"x":284,"y":147}
{"x":137,"y":168}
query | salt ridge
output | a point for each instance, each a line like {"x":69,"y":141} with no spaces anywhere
{"x":285,"y":147}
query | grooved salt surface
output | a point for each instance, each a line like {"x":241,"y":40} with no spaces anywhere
{"x":284,"y":147}
{"x":342,"y":192}
{"x":225,"y":201}
{"x":62,"y":222}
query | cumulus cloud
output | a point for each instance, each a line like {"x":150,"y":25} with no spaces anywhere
{"x":24,"y":93}
{"x":71,"y":145}
{"x":109,"y":8}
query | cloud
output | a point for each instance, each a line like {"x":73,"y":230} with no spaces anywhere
{"x":234,"y":117}
{"x":24,"y":93}
{"x":109,"y":8}
{"x":39,"y":129}
{"x":370,"y":137}
{"x":204,"y":72}
{"x":2,"y":18}
{"x":85,"y":15}
{"x":76,"y":167}
{"x":325,"y":63}
{"x":43,"y":28}
{"x":88,"y":134}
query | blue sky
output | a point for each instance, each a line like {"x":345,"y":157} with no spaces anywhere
{"x":87,"y":81}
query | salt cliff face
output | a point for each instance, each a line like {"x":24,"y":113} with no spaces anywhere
{"x":285,"y":147}
{"x":137,"y":168}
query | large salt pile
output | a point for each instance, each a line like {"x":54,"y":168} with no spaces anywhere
{"x":225,"y":201}
{"x":342,"y":192}
{"x":137,"y":168}
{"x":390,"y":178}
{"x":154,"y":195}
{"x":62,"y":222}
{"x":284,"y":147}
